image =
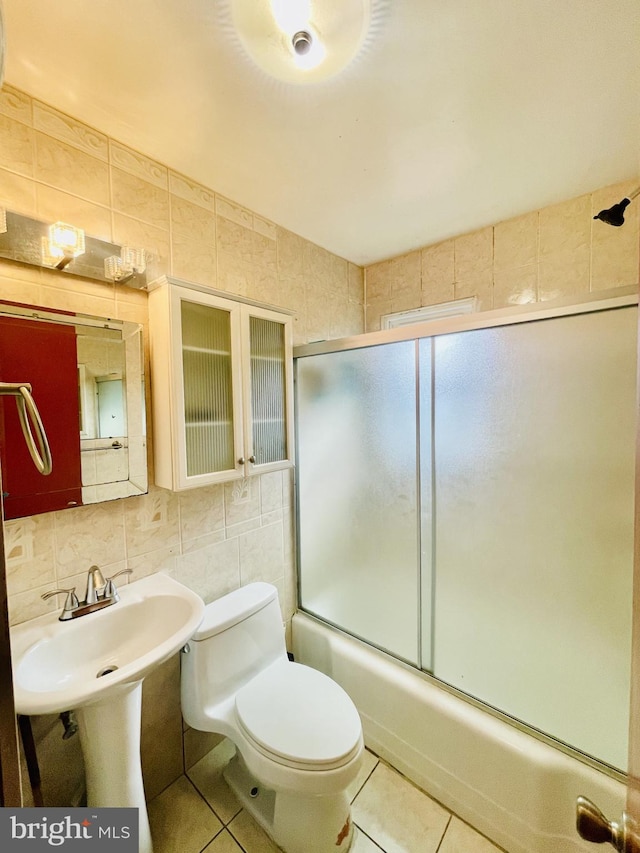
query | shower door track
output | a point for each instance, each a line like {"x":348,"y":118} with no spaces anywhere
{"x":491,"y":710}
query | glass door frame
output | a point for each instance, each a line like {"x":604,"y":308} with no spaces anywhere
{"x":594,"y":302}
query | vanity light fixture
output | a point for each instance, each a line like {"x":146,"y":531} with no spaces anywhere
{"x":63,"y":247}
{"x":65,"y":243}
{"x":3,"y":220}
{"x":302,"y":41}
{"x":121,"y":269}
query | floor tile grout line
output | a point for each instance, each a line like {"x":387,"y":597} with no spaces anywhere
{"x":244,"y":849}
{"x":366,"y":835}
{"x":220,"y":818}
{"x":225,"y":825}
{"x":369,"y":775}
{"x":419,"y":788}
{"x":212,"y":839}
{"x":230,"y":834}
{"x":444,"y":833}
{"x":208,"y":805}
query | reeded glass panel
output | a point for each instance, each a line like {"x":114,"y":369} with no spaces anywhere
{"x":358,"y":504}
{"x":534,"y":448}
{"x":208,"y":409}
{"x":268,"y":390}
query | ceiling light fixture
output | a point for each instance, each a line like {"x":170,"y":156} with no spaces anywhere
{"x":302,"y":41}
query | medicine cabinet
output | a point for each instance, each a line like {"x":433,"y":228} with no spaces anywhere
{"x":86,"y":375}
{"x":221,"y":386}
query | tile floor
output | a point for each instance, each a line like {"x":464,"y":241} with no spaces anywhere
{"x":200,"y":814}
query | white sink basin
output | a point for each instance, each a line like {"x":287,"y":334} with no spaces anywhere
{"x":61,"y":666}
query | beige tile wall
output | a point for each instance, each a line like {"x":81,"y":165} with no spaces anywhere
{"x":213,"y":539}
{"x":554,"y":252}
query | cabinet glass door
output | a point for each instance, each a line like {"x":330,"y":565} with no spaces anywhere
{"x":268,"y":390}
{"x":208,"y":395}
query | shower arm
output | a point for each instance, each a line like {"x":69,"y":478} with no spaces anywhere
{"x":28,"y":413}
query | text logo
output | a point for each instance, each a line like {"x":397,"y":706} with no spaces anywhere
{"x":110,"y":830}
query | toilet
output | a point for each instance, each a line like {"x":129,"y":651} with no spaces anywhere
{"x":297,"y":734}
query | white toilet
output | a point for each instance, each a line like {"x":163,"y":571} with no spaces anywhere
{"x":297,"y":734}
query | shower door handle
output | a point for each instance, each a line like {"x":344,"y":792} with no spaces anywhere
{"x":593,"y":826}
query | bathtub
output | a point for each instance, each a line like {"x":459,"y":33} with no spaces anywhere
{"x":517,"y":790}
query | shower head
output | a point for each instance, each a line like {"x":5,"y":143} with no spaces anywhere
{"x":615,"y":215}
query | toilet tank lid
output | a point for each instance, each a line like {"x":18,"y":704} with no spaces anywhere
{"x":234,"y":607}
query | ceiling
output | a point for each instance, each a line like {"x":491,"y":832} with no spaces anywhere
{"x":455,"y":115}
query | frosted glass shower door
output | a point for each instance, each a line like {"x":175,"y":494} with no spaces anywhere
{"x":534,"y":445}
{"x":358,"y":495}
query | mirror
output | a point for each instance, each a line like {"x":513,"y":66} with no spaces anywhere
{"x":88,"y":383}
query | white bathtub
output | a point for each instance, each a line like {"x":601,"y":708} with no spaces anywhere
{"x":517,"y":790}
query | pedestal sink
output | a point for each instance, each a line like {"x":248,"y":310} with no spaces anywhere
{"x":95,"y":665}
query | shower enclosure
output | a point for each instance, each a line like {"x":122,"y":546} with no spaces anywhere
{"x":465,"y":503}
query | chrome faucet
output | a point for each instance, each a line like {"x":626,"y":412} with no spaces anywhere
{"x":101,"y":592}
{"x":95,"y":585}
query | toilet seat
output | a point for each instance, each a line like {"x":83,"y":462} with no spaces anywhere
{"x":297,"y":716}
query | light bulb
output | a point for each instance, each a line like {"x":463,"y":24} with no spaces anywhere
{"x":291,"y":15}
{"x":65,"y":240}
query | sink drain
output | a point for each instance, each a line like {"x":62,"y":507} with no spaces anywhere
{"x":106,"y":671}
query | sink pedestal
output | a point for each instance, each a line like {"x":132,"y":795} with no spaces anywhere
{"x":94,"y":665}
{"x":110,"y":736}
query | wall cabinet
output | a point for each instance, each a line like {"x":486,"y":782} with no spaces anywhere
{"x":221,"y":373}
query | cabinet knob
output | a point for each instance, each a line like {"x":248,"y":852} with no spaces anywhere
{"x":252,"y":459}
{"x":241,"y":460}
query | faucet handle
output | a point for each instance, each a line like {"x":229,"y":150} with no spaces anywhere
{"x":71,"y":602}
{"x":110,"y":590}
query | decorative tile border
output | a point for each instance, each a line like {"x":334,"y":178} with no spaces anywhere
{"x":15,"y":104}
{"x":137,"y":164}
{"x":191,"y":191}
{"x":69,"y":130}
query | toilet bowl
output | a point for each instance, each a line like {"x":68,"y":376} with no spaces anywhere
{"x":297,"y":734}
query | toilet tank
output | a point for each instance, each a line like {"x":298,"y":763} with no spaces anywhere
{"x":240,"y":634}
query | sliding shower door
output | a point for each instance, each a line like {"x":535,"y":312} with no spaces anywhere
{"x":358,"y":493}
{"x":534,"y":446}
{"x":466,"y":504}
